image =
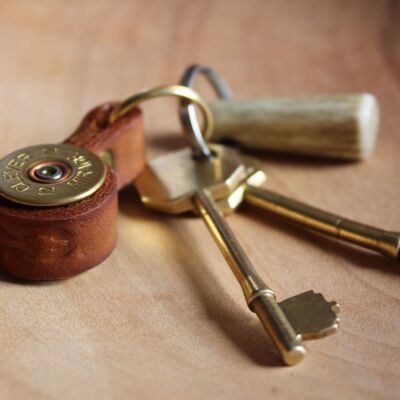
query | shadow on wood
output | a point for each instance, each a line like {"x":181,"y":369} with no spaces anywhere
{"x":245,"y":332}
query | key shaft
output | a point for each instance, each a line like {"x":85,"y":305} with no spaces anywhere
{"x":380,"y":240}
{"x":260,"y":298}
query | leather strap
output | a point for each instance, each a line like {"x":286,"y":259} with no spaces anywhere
{"x":59,"y":242}
{"x":123,"y":140}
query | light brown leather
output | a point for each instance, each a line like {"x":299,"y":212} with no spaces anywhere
{"x":59,"y":242}
{"x":56,"y":243}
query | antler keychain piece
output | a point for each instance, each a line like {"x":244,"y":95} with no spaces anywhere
{"x":342,"y":126}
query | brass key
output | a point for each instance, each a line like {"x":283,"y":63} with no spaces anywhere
{"x":377,"y":239}
{"x":380,"y":240}
{"x":178,"y":183}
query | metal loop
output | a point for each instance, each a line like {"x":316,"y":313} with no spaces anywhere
{"x":186,"y":93}
{"x":187,"y":112}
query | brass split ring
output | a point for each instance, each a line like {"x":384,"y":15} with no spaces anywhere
{"x":185,"y":93}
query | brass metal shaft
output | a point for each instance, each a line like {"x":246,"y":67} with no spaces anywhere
{"x":259,"y":296}
{"x":383,"y":241}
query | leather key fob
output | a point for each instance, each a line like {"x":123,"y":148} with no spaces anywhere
{"x":58,"y":202}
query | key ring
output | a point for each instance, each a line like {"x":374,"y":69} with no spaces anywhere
{"x":186,"y":93}
{"x":187,"y":112}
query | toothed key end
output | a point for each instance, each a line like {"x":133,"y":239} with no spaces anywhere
{"x":311,"y":315}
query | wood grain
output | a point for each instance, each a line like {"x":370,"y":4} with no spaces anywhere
{"x":163,"y":317}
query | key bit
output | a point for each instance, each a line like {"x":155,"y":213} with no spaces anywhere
{"x":310,"y":315}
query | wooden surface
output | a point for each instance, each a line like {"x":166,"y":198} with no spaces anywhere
{"x":163,"y":317}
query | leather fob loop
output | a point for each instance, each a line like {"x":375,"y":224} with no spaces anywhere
{"x":124,"y":140}
{"x":60,"y":242}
